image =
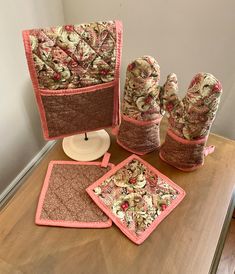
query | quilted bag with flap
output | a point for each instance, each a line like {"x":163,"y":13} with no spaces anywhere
{"x":75,"y":70}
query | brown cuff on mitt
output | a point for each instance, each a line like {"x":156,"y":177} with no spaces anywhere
{"x":139,"y":137}
{"x":183,"y":154}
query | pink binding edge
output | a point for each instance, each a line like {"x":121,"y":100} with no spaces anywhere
{"x":63,"y":223}
{"x":138,"y":240}
{"x":33,"y":75}
{"x":62,"y":92}
{"x":141,"y":153}
{"x":142,"y":123}
{"x":119,"y":34}
{"x":105,"y":160}
{"x":39,"y":92}
{"x":208,"y":150}
{"x":185,"y":141}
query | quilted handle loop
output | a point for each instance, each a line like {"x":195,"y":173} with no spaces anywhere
{"x":208,"y":150}
{"x":105,"y":160}
{"x":115,"y":130}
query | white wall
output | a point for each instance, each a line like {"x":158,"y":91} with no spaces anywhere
{"x":184,"y":36}
{"x":20,"y":130}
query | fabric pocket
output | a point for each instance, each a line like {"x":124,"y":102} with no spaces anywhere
{"x":67,"y":113}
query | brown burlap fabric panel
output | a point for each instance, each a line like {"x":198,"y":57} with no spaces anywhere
{"x":139,"y":138}
{"x":68,"y":114}
{"x":66,"y":198}
{"x":182,"y":155}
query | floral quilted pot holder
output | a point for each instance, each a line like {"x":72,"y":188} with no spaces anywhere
{"x":136,"y":196}
{"x":141,"y":112}
{"x":63,"y":200}
{"x":75,"y":71}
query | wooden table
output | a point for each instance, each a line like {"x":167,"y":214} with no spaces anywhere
{"x":188,"y":241}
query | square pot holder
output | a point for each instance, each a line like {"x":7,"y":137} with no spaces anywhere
{"x":63,"y":200}
{"x":75,"y":71}
{"x":136,"y":196}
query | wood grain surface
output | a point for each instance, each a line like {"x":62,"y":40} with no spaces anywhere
{"x":227,"y":261}
{"x":184,"y":243}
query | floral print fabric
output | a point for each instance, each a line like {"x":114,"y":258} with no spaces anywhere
{"x":136,"y":195}
{"x":74,"y":56}
{"x":142,"y":91}
{"x":192,"y":117}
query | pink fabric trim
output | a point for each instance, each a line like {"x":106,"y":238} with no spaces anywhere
{"x":33,"y":75}
{"x":39,"y":92}
{"x":115,"y":130}
{"x":77,"y":132}
{"x":149,"y":230}
{"x":61,"y":222}
{"x":141,"y":123}
{"x":105,"y":160}
{"x":183,"y":169}
{"x":52,"y":92}
{"x":185,"y":141}
{"x":131,"y":150}
{"x":116,"y":107}
{"x":209,"y":150}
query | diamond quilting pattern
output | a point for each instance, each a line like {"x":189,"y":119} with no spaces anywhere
{"x":66,"y":198}
{"x":136,"y":197}
{"x":74,"y":56}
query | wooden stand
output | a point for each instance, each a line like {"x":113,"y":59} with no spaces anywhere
{"x":86,"y":148}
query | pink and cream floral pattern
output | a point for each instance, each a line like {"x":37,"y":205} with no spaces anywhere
{"x":142,"y":91}
{"x":192,"y":117}
{"x":74,"y":56}
{"x":136,"y":196}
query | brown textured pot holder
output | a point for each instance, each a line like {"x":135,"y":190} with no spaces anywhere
{"x":63,"y":200}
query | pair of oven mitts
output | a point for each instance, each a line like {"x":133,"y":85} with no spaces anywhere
{"x":189,"y":119}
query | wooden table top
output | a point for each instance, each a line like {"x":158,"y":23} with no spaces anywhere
{"x":189,"y":240}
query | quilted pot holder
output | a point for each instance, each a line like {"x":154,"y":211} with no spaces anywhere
{"x":75,"y":71}
{"x":189,"y":120}
{"x":141,"y":112}
{"x":136,"y":196}
{"x":63,"y":200}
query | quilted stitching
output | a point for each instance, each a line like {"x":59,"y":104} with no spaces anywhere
{"x":191,"y":118}
{"x":136,"y":196}
{"x":74,"y":56}
{"x":139,"y":139}
{"x":88,"y":110}
{"x":66,"y":199}
{"x":182,"y":155}
{"x":141,"y":102}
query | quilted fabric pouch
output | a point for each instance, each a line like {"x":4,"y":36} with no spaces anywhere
{"x":136,"y":196}
{"x":189,"y":120}
{"x":75,"y":71}
{"x":141,"y":112}
{"x":63,"y":200}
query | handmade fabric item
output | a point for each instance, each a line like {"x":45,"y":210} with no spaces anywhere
{"x":75,"y":70}
{"x":136,"y":196}
{"x":141,"y":110}
{"x":189,"y":120}
{"x":63,"y":200}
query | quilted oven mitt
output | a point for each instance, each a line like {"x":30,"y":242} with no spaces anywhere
{"x":141,"y":112}
{"x":189,"y":120}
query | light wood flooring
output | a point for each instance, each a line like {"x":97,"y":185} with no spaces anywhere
{"x":227,"y":261}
